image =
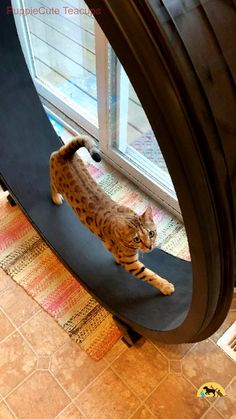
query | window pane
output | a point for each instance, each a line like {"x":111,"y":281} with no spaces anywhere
{"x":63,"y":47}
{"x":139,"y":133}
{"x":131,"y":134}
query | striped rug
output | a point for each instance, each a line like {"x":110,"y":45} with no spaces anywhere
{"x":27,"y":259}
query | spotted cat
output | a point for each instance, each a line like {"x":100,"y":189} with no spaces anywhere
{"x":123,"y":232}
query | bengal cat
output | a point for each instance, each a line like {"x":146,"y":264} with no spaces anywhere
{"x":123,"y":232}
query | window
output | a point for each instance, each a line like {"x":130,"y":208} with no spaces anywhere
{"x":74,"y":68}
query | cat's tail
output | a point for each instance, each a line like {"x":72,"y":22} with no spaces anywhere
{"x":69,"y":149}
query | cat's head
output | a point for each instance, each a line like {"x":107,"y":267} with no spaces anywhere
{"x":139,"y":232}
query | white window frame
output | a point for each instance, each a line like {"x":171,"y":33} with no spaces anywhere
{"x":136,"y":167}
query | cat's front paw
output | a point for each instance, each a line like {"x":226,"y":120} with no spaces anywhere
{"x":167,"y":288}
{"x":162,"y":284}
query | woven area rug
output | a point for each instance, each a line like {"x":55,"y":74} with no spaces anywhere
{"x":28,"y":260}
{"x":147,"y":145}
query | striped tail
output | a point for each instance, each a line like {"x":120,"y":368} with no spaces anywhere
{"x":69,"y":149}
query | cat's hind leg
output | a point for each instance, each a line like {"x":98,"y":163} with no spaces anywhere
{"x":57,"y":198}
{"x":55,"y":195}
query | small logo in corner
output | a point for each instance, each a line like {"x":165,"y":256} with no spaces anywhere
{"x":211,"y":389}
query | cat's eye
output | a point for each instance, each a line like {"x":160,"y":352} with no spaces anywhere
{"x":151,"y":234}
{"x":136,"y":239}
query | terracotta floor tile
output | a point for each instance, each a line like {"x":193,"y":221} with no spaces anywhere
{"x":18,"y":305}
{"x":176,"y":398}
{"x":74,"y":368}
{"x":43,"y":363}
{"x":213,"y":414}
{"x":206,"y":362}
{"x":71,"y":412}
{"x":5,"y":412}
{"x":231,"y":317}
{"x":175,"y":367}
{"x":16,"y":362}
{"x":5,"y":326}
{"x":115,"y":351}
{"x":143,"y":413}
{"x":174,"y":351}
{"x":107,"y":397}
{"x":227,"y":405}
{"x":142,"y":367}
{"x":5,"y":281}
{"x":38,"y":397}
{"x":44,"y":334}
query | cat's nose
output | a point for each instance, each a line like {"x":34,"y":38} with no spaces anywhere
{"x":150,"y":247}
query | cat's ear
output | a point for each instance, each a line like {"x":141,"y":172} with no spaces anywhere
{"x":147,"y":215}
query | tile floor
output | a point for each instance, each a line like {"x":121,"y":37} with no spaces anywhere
{"x":43,"y":374}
